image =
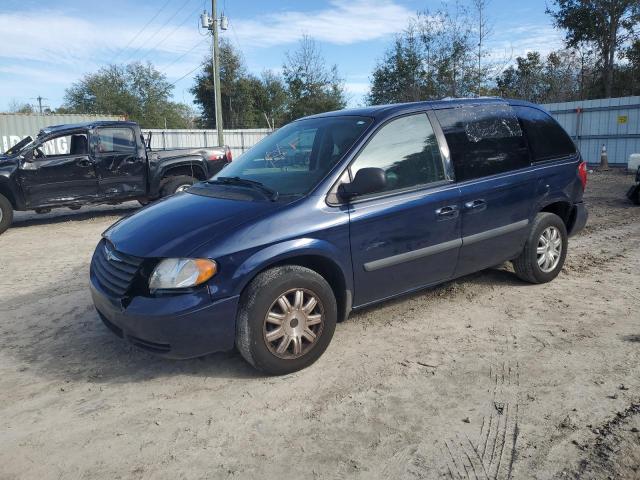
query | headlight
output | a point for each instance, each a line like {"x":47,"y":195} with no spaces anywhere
{"x":181,"y":273}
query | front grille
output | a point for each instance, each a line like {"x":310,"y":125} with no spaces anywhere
{"x":114,"y":270}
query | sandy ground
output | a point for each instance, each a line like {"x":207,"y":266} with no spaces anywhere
{"x":484,"y":377}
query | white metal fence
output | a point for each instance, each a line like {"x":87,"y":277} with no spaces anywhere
{"x":238,"y":140}
{"x":613,"y":122}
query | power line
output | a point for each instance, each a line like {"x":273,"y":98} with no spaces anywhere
{"x":204,"y":40}
{"x":132,"y":56}
{"x":185,"y":75}
{"x":189,"y":17}
{"x":140,"y":31}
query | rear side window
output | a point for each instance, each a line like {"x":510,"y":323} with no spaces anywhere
{"x":483,"y":140}
{"x":406,"y":149}
{"x":547,"y":139}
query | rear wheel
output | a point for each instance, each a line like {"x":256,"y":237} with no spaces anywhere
{"x":544,"y":253}
{"x":6,"y":213}
{"x":176,"y":184}
{"x":286,"y":319}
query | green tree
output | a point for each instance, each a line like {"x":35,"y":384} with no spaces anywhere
{"x":399,"y":76}
{"x":247,"y":101}
{"x":311,"y":86}
{"x":434,"y":57}
{"x":270,"y":99}
{"x":18,"y":107}
{"x":137,"y":91}
{"x":525,"y":80}
{"x":605,"y":24}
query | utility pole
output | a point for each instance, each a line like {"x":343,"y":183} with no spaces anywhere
{"x":41,"y":107}
{"x":211,"y":23}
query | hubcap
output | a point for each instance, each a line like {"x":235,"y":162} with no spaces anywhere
{"x":182,"y":188}
{"x":549,"y":249}
{"x":293,"y":324}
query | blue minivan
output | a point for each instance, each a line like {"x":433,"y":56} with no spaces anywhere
{"x":336,"y":212}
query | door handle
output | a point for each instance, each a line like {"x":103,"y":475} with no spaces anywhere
{"x":83,"y":163}
{"x":132,"y":160}
{"x":447,"y":212}
{"x":475,"y":204}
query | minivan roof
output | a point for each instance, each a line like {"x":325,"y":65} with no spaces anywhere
{"x":381,"y":112}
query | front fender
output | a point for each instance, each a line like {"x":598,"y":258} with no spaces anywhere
{"x":290,"y":249}
{"x":10,"y":189}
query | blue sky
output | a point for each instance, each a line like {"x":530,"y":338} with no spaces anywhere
{"x":45,"y":47}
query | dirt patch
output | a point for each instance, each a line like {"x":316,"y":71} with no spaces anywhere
{"x":484,"y":377}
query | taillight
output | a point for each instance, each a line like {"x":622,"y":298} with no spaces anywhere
{"x":582,"y":173}
{"x":228,"y":154}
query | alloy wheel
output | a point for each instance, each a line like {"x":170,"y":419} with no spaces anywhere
{"x":293,"y":324}
{"x":549,"y":249}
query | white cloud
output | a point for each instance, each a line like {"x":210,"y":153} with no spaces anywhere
{"x":57,"y":38}
{"x":518,"y":41}
{"x":345,"y":22}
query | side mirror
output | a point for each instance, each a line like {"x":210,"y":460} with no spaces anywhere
{"x":367,"y":180}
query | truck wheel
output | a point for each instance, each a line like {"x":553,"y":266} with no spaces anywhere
{"x":286,"y":319}
{"x":176,"y":184}
{"x":6,"y":213}
{"x":543,"y":255}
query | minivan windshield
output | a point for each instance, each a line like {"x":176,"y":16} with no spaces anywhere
{"x":292,"y":160}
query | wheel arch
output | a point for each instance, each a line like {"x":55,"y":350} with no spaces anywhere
{"x":7,"y":191}
{"x":563,"y":208}
{"x":192,"y":167}
{"x":316,"y":256}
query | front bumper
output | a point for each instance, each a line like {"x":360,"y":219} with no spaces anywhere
{"x":178,"y":326}
{"x":579,"y":218}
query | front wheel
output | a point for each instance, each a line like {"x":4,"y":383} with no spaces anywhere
{"x":544,"y":252}
{"x":6,"y":214}
{"x":286,"y":319}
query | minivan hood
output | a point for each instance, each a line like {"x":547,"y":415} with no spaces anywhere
{"x":177,"y":225}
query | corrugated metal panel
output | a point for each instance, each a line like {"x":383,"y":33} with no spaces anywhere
{"x":614,"y":122}
{"x":15,"y":126}
{"x":238,"y":140}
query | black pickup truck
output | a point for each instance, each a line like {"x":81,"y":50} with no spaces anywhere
{"x":97,"y":162}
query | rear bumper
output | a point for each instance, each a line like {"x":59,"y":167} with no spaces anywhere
{"x":579,"y":217}
{"x":180,"y":326}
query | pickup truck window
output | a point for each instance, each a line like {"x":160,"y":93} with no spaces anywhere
{"x":407,"y":150}
{"x":292,"y":160}
{"x":110,"y":140}
{"x":75,"y":144}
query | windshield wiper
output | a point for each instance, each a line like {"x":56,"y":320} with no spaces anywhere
{"x":243,"y":182}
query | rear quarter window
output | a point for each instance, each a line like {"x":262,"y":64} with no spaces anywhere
{"x":547,"y":139}
{"x":483,"y":140}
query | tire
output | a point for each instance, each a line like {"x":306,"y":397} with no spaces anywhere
{"x":527,"y":266}
{"x":261,"y":299}
{"x":6,"y":214}
{"x":173,"y":185}
{"x":634,"y":194}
